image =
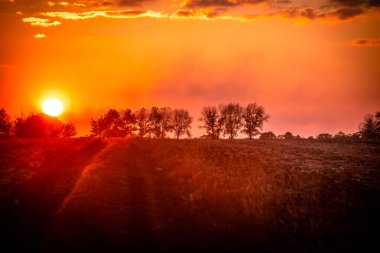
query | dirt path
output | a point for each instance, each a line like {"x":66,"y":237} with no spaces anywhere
{"x":121,"y":202}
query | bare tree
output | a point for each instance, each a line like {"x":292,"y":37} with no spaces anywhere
{"x":5,"y":124}
{"x":253,"y":119}
{"x":212,"y":122}
{"x":181,"y":122}
{"x":231,"y":115}
{"x":142,"y":121}
{"x":160,"y":120}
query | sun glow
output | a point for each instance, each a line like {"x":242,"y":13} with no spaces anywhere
{"x":52,"y":107}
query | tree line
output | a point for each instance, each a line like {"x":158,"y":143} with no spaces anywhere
{"x":369,"y":129}
{"x":222,"y":121}
{"x":34,"y":126}
{"x":155,"y":122}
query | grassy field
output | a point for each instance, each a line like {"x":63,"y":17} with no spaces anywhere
{"x":148,"y":195}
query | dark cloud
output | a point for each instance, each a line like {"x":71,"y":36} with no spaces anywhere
{"x":366,"y":42}
{"x":130,"y":2}
{"x":356,"y":3}
{"x":350,"y":3}
{"x":106,"y":3}
{"x":283,"y":2}
{"x":346,"y":13}
{"x":374,"y":3}
{"x":309,"y":13}
{"x":225,"y":3}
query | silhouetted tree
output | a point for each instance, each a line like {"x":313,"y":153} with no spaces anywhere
{"x":253,"y":117}
{"x":160,"y":120}
{"x":128,"y":121}
{"x":340,"y":136}
{"x":18,"y":126}
{"x":369,"y":128}
{"x":5,"y":124}
{"x":181,"y":122}
{"x":324,"y":136}
{"x":94,"y":128}
{"x":356,"y":136}
{"x":142,"y":121}
{"x":231,"y":115}
{"x":267,"y":136}
{"x":112,"y":123}
{"x":212,"y":122}
{"x":288,"y":136}
{"x":38,"y":126}
{"x":68,"y":130}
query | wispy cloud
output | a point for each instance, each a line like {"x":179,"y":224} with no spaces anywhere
{"x":40,"y":22}
{"x":117,"y":14}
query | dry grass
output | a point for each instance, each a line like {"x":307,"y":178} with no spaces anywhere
{"x":193,"y":195}
{"x":322,"y":195}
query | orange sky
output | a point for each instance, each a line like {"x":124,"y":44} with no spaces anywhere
{"x":314,"y":67}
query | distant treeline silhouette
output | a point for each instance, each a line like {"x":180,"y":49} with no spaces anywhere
{"x":222,"y":121}
{"x":34,"y":126}
{"x":156,"y":122}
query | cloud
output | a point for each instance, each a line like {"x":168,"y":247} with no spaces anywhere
{"x":374,"y":3}
{"x":366,"y":42}
{"x":282,"y":2}
{"x":346,"y":13}
{"x":44,"y":22}
{"x":225,"y":3}
{"x":40,"y":36}
{"x":349,"y":3}
{"x":356,"y":3}
{"x":67,"y":4}
{"x":198,"y":14}
{"x":309,"y":13}
{"x":118,"y":14}
{"x":130,"y":2}
{"x":197,"y":9}
{"x":343,"y":13}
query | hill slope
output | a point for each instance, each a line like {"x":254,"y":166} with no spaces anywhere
{"x":147,"y":195}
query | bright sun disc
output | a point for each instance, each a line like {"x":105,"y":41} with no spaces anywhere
{"x":52,"y":107}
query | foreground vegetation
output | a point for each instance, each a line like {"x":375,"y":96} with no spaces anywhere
{"x":148,"y":195}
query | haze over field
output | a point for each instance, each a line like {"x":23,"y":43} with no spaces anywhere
{"x":312,"y":64}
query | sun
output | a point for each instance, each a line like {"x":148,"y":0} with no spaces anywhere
{"x":52,"y":107}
